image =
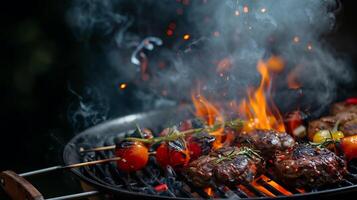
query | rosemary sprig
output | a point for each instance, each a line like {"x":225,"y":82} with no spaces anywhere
{"x":250,"y":153}
{"x":175,"y":134}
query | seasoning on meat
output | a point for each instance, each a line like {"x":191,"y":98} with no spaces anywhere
{"x":227,"y":165}
{"x":309,"y":166}
{"x":267,"y":142}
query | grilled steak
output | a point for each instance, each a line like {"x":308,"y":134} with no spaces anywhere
{"x":228,"y":165}
{"x":343,"y":107}
{"x":266,"y":141}
{"x":350,"y":127}
{"x":309,"y":166}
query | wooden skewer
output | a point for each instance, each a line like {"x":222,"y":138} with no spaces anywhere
{"x":104,"y":148}
{"x":91,"y":163}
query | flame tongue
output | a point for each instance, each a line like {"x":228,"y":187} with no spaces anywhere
{"x":259,"y":113}
{"x":211,"y":114}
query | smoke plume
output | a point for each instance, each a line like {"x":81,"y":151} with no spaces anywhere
{"x":164,"y":49}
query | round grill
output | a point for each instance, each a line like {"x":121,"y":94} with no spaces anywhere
{"x":147,"y":182}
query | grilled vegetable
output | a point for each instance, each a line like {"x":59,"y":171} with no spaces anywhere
{"x":199,"y":144}
{"x":349,"y":146}
{"x":135,"y":155}
{"x":174,"y":153}
{"x":324,"y":135}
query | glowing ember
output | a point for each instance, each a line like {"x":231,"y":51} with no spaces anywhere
{"x":224,"y":65}
{"x":256,"y":108}
{"x":309,"y":47}
{"x":262,"y":189}
{"x":296,"y":39}
{"x":236,"y":13}
{"x":245,"y":9}
{"x":122,"y":86}
{"x":276,"y":185}
{"x":209,"y":191}
{"x":216,"y":34}
{"x":263,"y":10}
{"x":186,"y":37}
{"x":211,"y":115}
{"x":169,"y":32}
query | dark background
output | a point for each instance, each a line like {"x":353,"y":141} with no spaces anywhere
{"x":40,"y":56}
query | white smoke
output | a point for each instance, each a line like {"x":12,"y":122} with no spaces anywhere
{"x":244,"y":31}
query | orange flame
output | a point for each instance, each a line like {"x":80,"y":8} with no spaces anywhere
{"x":211,"y":114}
{"x":276,"y":185}
{"x":259,"y":114}
{"x":209,"y":191}
{"x":275,"y":64}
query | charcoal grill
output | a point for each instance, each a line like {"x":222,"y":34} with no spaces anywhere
{"x":148,"y":183}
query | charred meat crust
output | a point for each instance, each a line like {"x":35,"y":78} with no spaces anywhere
{"x":214,"y":168}
{"x":344,"y":113}
{"x":343,"y":107}
{"x":267,"y":142}
{"x":309,"y":166}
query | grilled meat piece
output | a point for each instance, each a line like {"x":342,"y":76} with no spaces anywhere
{"x":200,"y":171}
{"x":242,"y":168}
{"x":349,"y":128}
{"x":309,"y":166}
{"x":266,"y":141}
{"x":344,"y":117}
{"x":343,"y":107}
{"x":228,"y":165}
{"x":327,"y":123}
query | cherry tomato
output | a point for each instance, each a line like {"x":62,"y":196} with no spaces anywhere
{"x":194,"y":149}
{"x":135,"y":156}
{"x":349,"y":146}
{"x":199,"y":145}
{"x":169,"y":153}
{"x":322,"y":135}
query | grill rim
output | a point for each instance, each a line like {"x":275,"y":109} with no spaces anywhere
{"x":131,"y":121}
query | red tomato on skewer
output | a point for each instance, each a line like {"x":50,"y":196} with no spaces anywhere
{"x":135,"y":156}
{"x":175,"y":156}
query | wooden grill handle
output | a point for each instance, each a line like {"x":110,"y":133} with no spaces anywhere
{"x":18,"y":188}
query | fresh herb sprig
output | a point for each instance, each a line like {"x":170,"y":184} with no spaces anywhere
{"x":250,"y":153}
{"x":175,"y":134}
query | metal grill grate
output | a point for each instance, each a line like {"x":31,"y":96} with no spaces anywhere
{"x":146,"y":181}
